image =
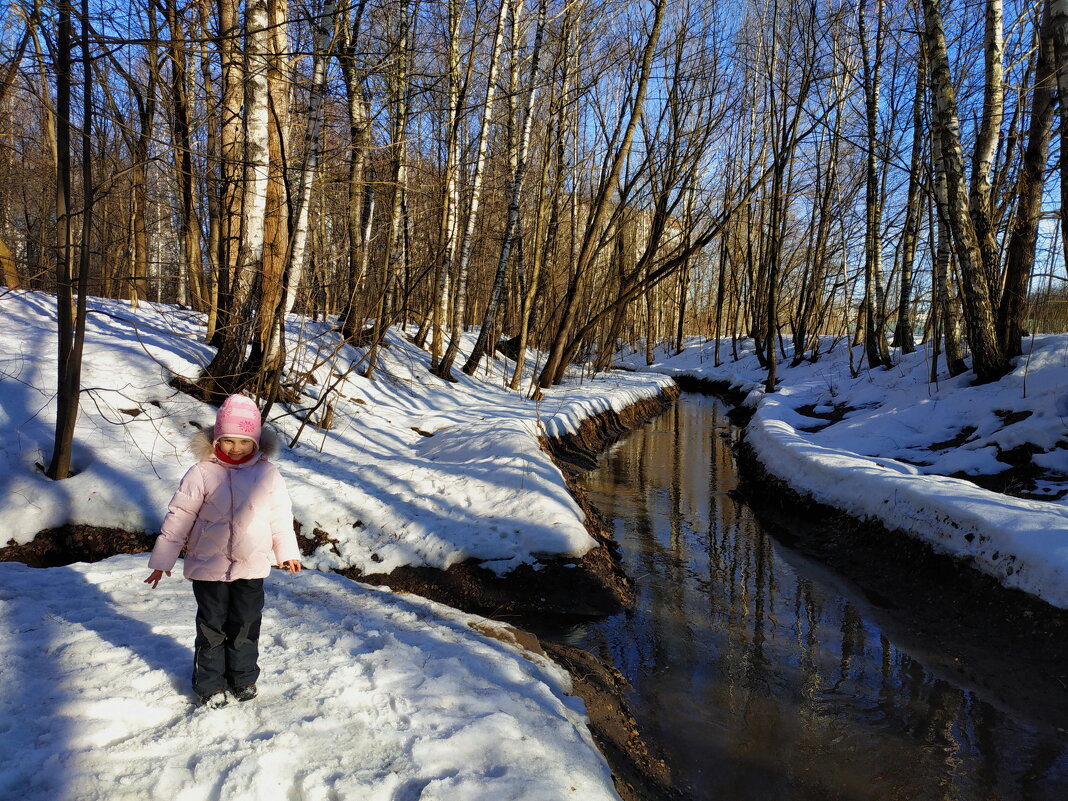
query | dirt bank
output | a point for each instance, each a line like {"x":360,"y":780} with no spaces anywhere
{"x":593,"y":585}
{"x":54,"y":547}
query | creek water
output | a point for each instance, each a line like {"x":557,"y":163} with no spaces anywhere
{"x":758,"y":674}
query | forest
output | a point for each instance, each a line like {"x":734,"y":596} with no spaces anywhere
{"x":560,"y":176}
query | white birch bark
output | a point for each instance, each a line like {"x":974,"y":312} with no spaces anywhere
{"x":445,"y":366}
{"x":400,"y":97}
{"x":981,"y":202}
{"x":324,"y":25}
{"x":947,"y":311}
{"x":452,"y":185}
{"x":254,"y":197}
{"x":989,"y":362}
{"x":519,"y":171}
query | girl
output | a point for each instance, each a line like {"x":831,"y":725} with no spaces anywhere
{"x":230,"y":513}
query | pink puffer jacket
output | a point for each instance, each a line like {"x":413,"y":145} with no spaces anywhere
{"x":234,"y":521}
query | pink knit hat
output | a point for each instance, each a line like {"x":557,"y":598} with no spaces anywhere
{"x":238,"y":417}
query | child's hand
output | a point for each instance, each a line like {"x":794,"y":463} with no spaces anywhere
{"x":292,"y":565}
{"x":154,"y":577}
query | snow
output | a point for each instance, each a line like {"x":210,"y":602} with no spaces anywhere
{"x":365,"y":694}
{"x":888,"y":458}
{"x":479,"y":488}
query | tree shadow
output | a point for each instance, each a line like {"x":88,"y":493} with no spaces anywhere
{"x":72,"y":654}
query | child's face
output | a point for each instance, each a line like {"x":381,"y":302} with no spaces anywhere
{"x":236,"y":448}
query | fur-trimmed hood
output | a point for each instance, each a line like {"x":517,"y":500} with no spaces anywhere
{"x":201,"y":446}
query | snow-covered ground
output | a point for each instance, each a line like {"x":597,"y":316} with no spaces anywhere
{"x":365,"y":694}
{"x":890,"y":457}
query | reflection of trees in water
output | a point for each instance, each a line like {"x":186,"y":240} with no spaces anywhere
{"x":759,"y":679}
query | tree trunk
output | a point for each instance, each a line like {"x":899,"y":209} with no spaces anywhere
{"x":547,"y":228}
{"x":360,"y":191}
{"x":250,"y":164}
{"x":1023,"y":234}
{"x":519,"y":171}
{"x":1059,"y":30}
{"x":71,"y":319}
{"x":989,"y":361}
{"x":981,"y":200}
{"x":903,"y":336}
{"x":875,"y":338}
{"x":945,"y":303}
{"x":444,"y":368}
{"x":269,"y":283}
{"x":400,"y":89}
{"x":189,"y":229}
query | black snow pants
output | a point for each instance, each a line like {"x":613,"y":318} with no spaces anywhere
{"x":226,"y":650}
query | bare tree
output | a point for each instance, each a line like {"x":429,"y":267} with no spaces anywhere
{"x":903,"y":334}
{"x":444,"y":368}
{"x":400,"y":100}
{"x":1023,"y":234}
{"x":71,"y":318}
{"x":989,"y":361}
{"x":516,"y":181}
{"x":600,"y":207}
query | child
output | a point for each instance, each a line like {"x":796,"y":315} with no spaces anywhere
{"x":230,"y":513}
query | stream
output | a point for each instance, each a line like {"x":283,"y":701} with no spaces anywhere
{"x":759,"y":674}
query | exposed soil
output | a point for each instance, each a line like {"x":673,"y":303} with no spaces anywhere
{"x":576,"y":453}
{"x":590,"y":586}
{"x":1009,"y":646}
{"x":835,"y":415}
{"x":593,"y":585}
{"x":54,"y":547}
{"x":637,"y":775}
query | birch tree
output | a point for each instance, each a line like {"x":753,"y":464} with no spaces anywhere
{"x":516,"y":180}
{"x":989,"y":361}
{"x":359,"y":191}
{"x":1023,"y":233}
{"x":324,"y":26}
{"x":872,"y":58}
{"x":399,"y":89}
{"x":553,"y":174}
{"x":444,"y":368}
{"x":903,"y":336}
{"x":245,"y":165}
{"x":456,"y":86}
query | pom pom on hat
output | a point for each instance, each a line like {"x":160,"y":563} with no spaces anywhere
{"x":238,"y":417}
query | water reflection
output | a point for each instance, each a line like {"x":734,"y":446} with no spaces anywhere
{"x":762,"y":676}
